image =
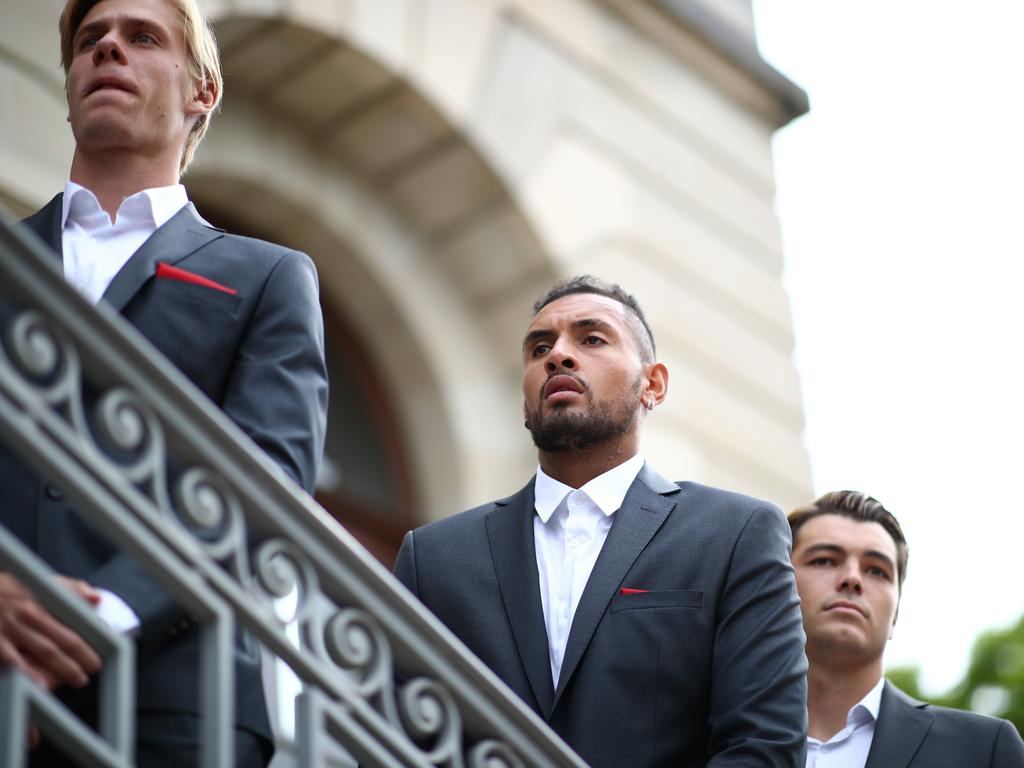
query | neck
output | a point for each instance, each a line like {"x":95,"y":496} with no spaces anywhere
{"x":577,"y":467}
{"x":112,"y":176}
{"x":833,"y":690}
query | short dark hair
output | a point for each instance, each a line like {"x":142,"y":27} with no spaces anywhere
{"x":591,"y":284}
{"x":862,"y":508}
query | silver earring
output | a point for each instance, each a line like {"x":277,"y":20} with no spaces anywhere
{"x":650,"y":405}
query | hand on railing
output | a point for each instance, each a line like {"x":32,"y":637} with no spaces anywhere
{"x":32,"y":640}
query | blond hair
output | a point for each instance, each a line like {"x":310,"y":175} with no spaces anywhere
{"x":202,"y":55}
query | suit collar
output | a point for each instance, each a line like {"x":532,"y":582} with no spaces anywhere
{"x":46,"y":224}
{"x":606,"y":491}
{"x":902,"y":725}
{"x":644,"y":509}
{"x":510,"y":534}
{"x":152,"y":207}
{"x":183,"y":234}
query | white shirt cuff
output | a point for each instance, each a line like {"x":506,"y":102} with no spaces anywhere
{"x":116,"y":613}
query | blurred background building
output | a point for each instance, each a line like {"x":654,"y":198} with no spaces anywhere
{"x":443,"y":162}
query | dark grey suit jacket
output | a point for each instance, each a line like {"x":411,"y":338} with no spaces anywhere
{"x":706,"y":667}
{"x":258,"y":354}
{"x":913,"y":734}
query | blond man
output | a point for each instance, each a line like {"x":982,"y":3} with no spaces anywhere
{"x":239,"y":317}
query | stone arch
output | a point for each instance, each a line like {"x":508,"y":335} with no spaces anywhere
{"x":321,"y":145}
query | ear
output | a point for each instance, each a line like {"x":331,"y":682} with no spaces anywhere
{"x":656,"y":378}
{"x":895,"y":616}
{"x":204,"y":98}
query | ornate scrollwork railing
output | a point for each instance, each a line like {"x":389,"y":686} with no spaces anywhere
{"x":171,"y":480}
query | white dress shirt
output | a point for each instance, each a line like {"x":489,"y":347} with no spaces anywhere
{"x":849,"y":748}
{"x":95,"y":249}
{"x":568,"y":532}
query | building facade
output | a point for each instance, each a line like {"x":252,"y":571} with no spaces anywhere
{"x":443,"y":162}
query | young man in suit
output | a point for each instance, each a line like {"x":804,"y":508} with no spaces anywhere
{"x":850,"y":557}
{"x":649,"y":623}
{"x":239,"y":317}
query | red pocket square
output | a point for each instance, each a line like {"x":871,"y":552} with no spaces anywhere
{"x":628,"y":591}
{"x":173,"y":273}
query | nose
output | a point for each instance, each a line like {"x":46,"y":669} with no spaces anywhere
{"x":850,"y":580}
{"x":108,"y":47}
{"x":561,"y":356}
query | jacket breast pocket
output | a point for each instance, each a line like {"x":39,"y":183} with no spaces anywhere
{"x":667,"y":598}
{"x":196,"y":327}
{"x":187,"y":293}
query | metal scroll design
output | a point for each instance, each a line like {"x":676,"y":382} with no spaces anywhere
{"x":114,"y":431}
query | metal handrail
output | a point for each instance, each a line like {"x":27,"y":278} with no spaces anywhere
{"x":381,"y":675}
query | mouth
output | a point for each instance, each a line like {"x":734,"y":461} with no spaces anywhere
{"x":843,"y":606}
{"x":561,"y":387}
{"x":108,"y":84}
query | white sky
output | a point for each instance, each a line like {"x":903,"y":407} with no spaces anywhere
{"x":900,"y":196}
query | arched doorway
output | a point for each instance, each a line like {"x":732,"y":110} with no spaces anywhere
{"x":423,"y":258}
{"x":365,"y":481}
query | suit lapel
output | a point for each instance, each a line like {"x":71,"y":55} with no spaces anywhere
{"x":182,"y":235}
{"x":902,"y":725}
{"x":46,"y":224}
{"x":510,"y":534}
{"x":642,"y":513}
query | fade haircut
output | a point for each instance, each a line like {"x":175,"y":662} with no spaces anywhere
{"x":591,"y":284}
{"x":862,"y":508}
{"x":201,"y":53}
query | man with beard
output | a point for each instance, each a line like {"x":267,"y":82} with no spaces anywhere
{"x":647,"y":622}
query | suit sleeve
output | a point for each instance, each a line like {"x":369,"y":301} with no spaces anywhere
{"x":277,"y":393}
{"x":758,"y":709}
{"x":277,"y":388}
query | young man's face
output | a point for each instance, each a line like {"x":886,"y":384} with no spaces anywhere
{"x":847,"y":579}
{"x":128,"y":84}
{"x":583,"y":379}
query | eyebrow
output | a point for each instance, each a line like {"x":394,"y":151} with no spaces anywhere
{"x":586,"y":322}
{"x":99,"y":25}
{"x":836,"y":549}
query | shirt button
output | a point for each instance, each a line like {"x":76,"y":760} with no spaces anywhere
{"x":574,"y":543}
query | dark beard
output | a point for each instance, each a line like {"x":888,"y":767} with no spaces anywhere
{"x":563,"y":430}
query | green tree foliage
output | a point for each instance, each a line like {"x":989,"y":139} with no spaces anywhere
{"x":994,"y":682}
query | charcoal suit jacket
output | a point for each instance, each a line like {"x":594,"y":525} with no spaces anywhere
{"x":913,"y":734}
{"x":699,"y":661}
{"x":253,"y":343}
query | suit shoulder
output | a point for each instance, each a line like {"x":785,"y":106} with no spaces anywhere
{"x":252,"y":248}
{"x":961,"y":718}
{"x":720,"y":503}
{"x":268,"y":268}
